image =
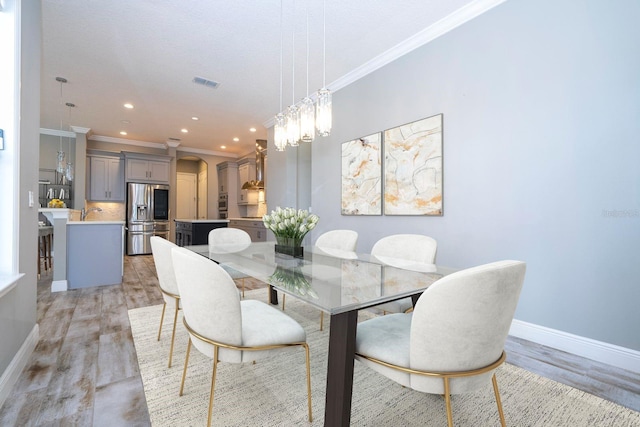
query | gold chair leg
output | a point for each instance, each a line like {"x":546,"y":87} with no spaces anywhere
{"x":173,"y":334}
{"x":243,"y":287}
{"x":447,"y":401}
{"x":213,"y":383}
{"x":186,"y":362}
{"x":321,"y":319}
{"x":306,"y":347}
{"x":283,"y":297}
{"x":497,"y":393}
{"x":161,"y":320}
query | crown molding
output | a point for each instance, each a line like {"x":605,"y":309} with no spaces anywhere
{"x":206,"y":152}
{"x":79,"y":129}
{"x":57,"y":132}
{"x":432,"y":32}
{"x":172,"y":144}
{"x":102,"y":138}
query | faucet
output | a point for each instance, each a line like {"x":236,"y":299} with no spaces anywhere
{"x":84,"y":213}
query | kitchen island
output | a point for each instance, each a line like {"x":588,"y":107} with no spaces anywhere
{"x":95,"y":252}
{"x":196,"y":231}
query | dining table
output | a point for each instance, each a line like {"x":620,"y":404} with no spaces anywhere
{"x":340,"y":283}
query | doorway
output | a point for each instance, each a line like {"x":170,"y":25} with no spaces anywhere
{"x":192,"y":188}
{"x":187,"y":201}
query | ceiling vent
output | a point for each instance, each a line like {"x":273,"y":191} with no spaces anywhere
{"x":205,"y":82}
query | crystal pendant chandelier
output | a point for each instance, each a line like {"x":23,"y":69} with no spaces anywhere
{"x":323,"y":112}
{"x":302,"y":121}
{"x":293,"y":112}
{"x":323,"y":103}
{"x":279,"y":128}
{"x":293,"y":125}
{"x":280,"y":132}
{"x":307,"y":110}
{"x":61,"y":165}
{"x":69,"y":169}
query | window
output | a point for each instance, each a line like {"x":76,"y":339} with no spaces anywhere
{"x":9,"y":108}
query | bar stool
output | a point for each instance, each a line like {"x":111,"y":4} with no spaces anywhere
{"x":44,"y":247}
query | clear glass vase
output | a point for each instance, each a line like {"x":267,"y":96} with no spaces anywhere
{"x":289,"y":246}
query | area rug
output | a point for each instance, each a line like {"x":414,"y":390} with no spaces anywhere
{"x":273,"y":391}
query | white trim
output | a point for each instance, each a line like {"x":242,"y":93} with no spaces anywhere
{"x":9,"y":282}
{"x":599,"y":351}
{"x":207,"y":152}
{"x":56,"y":132}
{"x":102,"y":138}
{"x":80,"y":129}
{"x":18,"y":363}
{"x":432,"y":32}
{"x":59,"y":286}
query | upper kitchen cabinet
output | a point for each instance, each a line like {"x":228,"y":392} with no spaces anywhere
{"x":106,"y":178}
{"x":227,"y":177}
{"x":147,"y":168}
{"x":246,"y":170}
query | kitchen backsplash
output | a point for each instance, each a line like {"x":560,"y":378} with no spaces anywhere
{"x":110,"y":211}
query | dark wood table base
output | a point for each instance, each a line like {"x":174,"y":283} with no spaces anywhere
{"x":342,"y":346}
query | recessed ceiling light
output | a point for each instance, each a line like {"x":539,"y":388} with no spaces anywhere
{"x":252,"y":129}
{"x":236,"y":139}
{"x":184,"y":131}
{"x":123,"y":133}
{"x":129,"y":106}
{"x":223,"y":146}
{"x":195,"y":118}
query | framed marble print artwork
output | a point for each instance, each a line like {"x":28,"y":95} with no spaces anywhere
{"x":413,"y":168}
{"x":362,"y":176}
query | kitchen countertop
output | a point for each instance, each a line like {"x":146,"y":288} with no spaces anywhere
{"x":257,"y":218}
{"x":201,"y":220}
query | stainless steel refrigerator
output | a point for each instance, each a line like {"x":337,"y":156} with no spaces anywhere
{"x":147,"y":215}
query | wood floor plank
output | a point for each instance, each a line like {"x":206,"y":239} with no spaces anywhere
{"x":42,"y":365}
{"x":121,"y":403}
{"x":117,"y":357}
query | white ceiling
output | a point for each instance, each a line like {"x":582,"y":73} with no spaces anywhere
{"x":147,"y":52}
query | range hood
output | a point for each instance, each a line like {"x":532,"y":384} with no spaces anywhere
{"x":261,"y":152}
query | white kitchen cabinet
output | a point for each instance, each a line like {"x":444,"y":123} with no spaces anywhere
{"x":106,"y":179}
{"x":246,"y":171}
{"x":228,"y":179}
{"x":147,"y":170}
{"x":223,"y":177}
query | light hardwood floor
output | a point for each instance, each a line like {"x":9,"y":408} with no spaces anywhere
{"x":84,"y":370}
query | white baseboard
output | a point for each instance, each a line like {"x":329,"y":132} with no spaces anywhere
{"x":19,"y":361}
{"x":599,"y":351}
{"x":59,"y":286}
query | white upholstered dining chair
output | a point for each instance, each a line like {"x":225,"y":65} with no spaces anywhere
{"x":161,"y":250}
{"x":407,"y":251}
{"x":453,"y":341}
{"x":225,"y":328}
{"x":228,"y":240}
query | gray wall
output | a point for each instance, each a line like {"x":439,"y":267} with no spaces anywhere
{"x":18,"y":307}
{"x":541,"y":101}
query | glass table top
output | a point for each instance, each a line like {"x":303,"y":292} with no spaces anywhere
{"x":331,"y":280}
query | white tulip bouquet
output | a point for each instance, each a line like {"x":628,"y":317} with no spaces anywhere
{"x":290,"y":225}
